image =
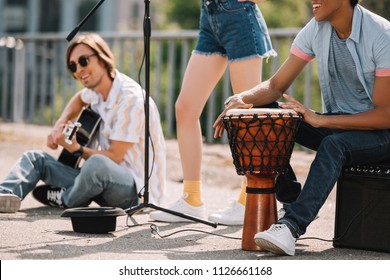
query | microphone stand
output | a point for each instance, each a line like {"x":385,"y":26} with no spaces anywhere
{"x":147,"y":34}
{"x":78,"y":27}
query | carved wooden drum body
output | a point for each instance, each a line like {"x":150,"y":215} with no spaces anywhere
{"x":261,"y":141}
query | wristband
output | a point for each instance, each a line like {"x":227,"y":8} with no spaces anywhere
{"x":79,"y":152}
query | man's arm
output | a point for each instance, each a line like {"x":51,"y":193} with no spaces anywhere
{"x":116,"y":152}
{"x":71,"y":111}
{"x":376,"y":118}
{"x":266,"y":92}
{"x":271,"y":90}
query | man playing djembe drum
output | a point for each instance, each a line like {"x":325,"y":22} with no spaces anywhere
{"x":352,"y":48}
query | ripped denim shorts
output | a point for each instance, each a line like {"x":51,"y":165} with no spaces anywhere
{"x":233,"y":29}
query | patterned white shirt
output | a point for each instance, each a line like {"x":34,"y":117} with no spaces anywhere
{"x":123,"y":119}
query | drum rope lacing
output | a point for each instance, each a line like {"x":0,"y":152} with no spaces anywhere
{"x":262,"y":144}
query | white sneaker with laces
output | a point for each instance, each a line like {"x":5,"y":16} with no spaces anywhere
{"x":180,"y":206}
{"x":9,"y":203}
{"x":277,"y":239}
{"x":231,"y":215}
{"x":54,"y":197}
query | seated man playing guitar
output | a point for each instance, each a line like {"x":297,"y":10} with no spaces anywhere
{"x":111,"y":175}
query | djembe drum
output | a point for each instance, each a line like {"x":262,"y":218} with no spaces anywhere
{"x":261,"y":141}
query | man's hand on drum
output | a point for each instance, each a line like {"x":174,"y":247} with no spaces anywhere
{"x":233,"y":102}
{"x":309,"y":116}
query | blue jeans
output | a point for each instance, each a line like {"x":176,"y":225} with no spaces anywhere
{"x":335,"y":148}
{"x":100,"y":180}
{"x":233,"y":29}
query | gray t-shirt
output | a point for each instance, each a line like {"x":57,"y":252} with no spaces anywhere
{"x":347,"y":94}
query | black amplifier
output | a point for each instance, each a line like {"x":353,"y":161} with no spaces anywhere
{"x":363,"y":208}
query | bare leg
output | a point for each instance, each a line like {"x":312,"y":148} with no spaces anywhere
{"x":245,"y":74}
{"x":202,"y":74}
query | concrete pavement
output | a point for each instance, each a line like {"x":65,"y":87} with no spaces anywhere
{"x":37,"y":232}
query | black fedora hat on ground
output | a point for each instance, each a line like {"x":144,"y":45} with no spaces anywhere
{"x":93,"y":219}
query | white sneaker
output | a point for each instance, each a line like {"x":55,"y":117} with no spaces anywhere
{"x":9,"y":203}
{"x":231,"y":215}
{"x":181,"y":206}
{"x":277,"y":239}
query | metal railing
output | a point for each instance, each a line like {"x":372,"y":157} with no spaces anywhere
{"x":35,"y":85}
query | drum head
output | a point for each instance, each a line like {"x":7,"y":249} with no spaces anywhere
{"x":262,"y":112}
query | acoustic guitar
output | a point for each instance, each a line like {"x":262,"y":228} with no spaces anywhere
{"x":86,"y":128}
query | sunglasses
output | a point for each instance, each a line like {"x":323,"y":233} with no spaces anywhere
{"x":83,"y":61}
